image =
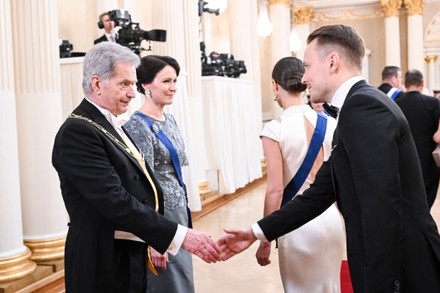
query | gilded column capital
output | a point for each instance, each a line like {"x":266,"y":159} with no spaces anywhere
{"x":414,"y":7}
{"x":286,"y":3}
{"x":391,"y":8}
{"x":431,"y":59}
{"x":303,"y":15}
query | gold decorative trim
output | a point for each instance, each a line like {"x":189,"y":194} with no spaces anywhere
{"x":286,"y":3}
{"x":414,"y":7}
{"x":431,"y":59}
{"x":340,"y":15}
{"x":391,"y":8}
{"x":16,"y":267}
{"x":432,"y":33}
{"x":46,"y":249}
{"x":303,"y":15}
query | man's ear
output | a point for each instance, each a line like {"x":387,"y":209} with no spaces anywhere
{"x":333,"y":61}
{"x":96,"y":83}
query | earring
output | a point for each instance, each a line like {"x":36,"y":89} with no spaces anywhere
{"x":275,"y":95}
{"x":148,"y":93}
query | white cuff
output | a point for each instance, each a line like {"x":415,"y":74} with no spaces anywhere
{"x":177,"y":241}
{"x":258,"y":232}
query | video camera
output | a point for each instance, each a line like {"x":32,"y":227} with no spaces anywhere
{"x":65,"y":48}
{"x":221,"y":64}
{"x":131,"y":35}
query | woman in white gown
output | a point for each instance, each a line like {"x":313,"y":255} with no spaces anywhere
{"x":309,"y":257}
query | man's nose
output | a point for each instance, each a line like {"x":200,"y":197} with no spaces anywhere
{"x":131,"y":93}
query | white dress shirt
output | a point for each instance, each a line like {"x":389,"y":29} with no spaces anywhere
{"x":111,"y":37}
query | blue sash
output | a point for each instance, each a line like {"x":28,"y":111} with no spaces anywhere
{"x":173,"y":154}
{"x":393,"y":94}
{"x":304,"y":170}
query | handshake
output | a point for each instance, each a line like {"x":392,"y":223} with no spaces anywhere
{"x":232,"y":243}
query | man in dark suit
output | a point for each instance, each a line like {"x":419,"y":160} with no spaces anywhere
{"x":373,"y":174}
{"x":423,"y":115}
{"x":109,"y":29}
{"x":112,"y":198}
{"x":392,"y":82}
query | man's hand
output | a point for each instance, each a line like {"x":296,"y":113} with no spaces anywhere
{"x":158,"y":259}
{"x":263,"y":253}
{"x":235,"y":241}
{"x":201,"y":244}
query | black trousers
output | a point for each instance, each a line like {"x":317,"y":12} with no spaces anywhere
{"x":130,"y":266}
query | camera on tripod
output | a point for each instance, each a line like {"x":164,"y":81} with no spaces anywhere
{"x":131,"y":35}
{"x":221,"y":64}
{"x":65,"y":48}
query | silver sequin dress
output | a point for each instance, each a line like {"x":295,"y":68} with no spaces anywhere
{"x":179,"y":274}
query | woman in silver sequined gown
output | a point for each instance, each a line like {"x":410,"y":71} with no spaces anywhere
{"x":157,"y":76}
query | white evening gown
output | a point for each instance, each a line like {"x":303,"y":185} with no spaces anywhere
{"x":309,"y":257}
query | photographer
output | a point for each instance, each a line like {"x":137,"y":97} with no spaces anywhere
{"x":106,"y":23}
{"x":129,"y":35}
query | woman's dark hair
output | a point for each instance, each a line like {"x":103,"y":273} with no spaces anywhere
{"x":150,"y":66}
{"x":288,"y":73}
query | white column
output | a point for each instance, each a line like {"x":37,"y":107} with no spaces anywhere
{"x":168,"y":15}
{"x":256,"y":74}
{"x":392,"y":42}
{"x":14,"y":256}
{"x":195,"y":96}
{"x":303,"y":31}
{"x":255,"y":69}
{"x":105,"y":5}
{"x":245,"y":46}
{"x":431,"y":78}
{"x":279,"y":15}
{"x":415,"y":34}
{"x":241,"y":31}
{"x":366,"y":65}
{"x":178,"y":19}
{"x":37,"y":84}
{"x":391,"y":9}
{"x":415,"y":42}
{"x":303,"y":17}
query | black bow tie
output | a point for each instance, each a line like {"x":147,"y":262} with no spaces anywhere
{"x":331,"y":110}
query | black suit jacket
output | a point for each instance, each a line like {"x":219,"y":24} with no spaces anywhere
{"x":423,"y":114}
{"x":103,"y":38}
{"x":104,"y":189}
{"x":374,"y":175}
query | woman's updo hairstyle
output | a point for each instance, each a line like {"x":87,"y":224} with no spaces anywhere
{"x":150,"y":66}
{"x":288,"y":73}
